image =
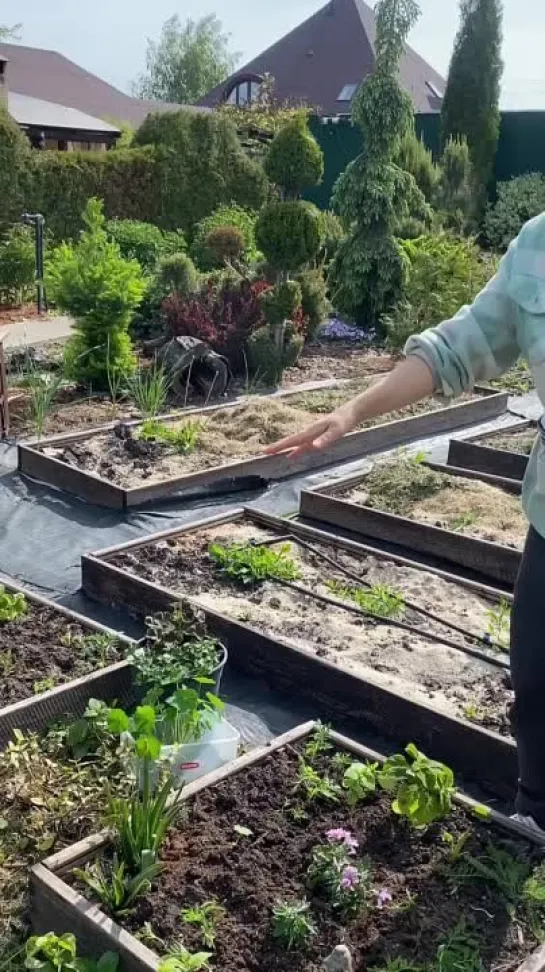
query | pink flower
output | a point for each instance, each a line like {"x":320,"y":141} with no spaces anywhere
{"x":340,"y":836}
{"x":383,"y":898}
{"x":350,"y":878}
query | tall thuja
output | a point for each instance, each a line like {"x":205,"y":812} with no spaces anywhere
{"x":374,"y":194}
{"x":471,"y":103}
{"x":290,"y":233}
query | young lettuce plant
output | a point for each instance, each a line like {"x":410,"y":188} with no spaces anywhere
{"x":12,"y":606}
{"x":360,"y":782}
{"x":423,"y":788}
{"x":58,"y":953}
{"x":183,"y":961}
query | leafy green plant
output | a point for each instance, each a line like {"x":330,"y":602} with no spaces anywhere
{"x":116,"y":889}
{"x":295,"y":161}
{"x":423,"y":788}
{"x":58,"y":953}
{"x":533,"y":897}
{"x":319,"y":742}
{"x":176,"y":650}
{"x":205,"y":917}
{"x":183,"y":961}
{"x":143,"y":242}
{"x":188,"y":714}
{"x":248,"y":563}
{"x":462,"y":522}
{"x":17,"y":266}
{"x":518,"y":200}
{"x":444,"y":272}
{"x":204,"y":255}
{"x":149,"y":389}
{"x":292,"y":926}
{"x":92,"y":282}
{"x":380,"y":599}
{"x":142,"y":822}
{"x":43,"y":685}
{"x":12,"y":606}
{"x":497,"y":867}
{"x":459,"y":952}
{"x":184,"y":438}
{"x":398,"y":965}
{"x":314,"y":300}
{"x":315,"y":787}
{"x":499,"y":624}
{"x":177,"y":273}
{"x":360,"y":782}
{"x":86,"y":735}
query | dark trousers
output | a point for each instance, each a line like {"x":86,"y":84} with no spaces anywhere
{"x":528,"y":673}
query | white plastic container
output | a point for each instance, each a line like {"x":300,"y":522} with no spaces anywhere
{"x":217,"y":747}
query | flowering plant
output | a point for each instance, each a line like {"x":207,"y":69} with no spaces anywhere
{"x":346,"y":883}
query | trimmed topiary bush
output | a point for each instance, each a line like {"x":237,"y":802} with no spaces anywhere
{"x":17,"y":266}
{"x":177,"y":273}
{"x":92,"y":282}
{"x":290,"y":235}
{"x":226,"y":243}
{"x":268,"y":359}
{"x":333,"y":235}
{"x":224,"y":216}
{"x":314,"y":300}
{"x":144,"y":241}
{"x":518,"y":201}
{"x":295,"y":161}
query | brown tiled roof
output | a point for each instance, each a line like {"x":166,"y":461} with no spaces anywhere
{"x":331,"y":49}
{"x":52,"y":77}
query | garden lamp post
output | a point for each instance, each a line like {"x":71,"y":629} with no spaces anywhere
{"x":37,"y":222}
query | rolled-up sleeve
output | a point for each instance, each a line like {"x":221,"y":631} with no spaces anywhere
{"x":479,"y":343}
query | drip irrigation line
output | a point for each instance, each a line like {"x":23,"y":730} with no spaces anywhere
{"x":410,"y":604}
{"x":402,"y":625}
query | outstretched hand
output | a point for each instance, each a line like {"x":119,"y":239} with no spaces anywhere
{"x":319,"y":435}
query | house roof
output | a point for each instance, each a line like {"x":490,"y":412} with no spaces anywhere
{"x":35,"y":113}
{"x":332,"y":49}
{"x":48,"y":75}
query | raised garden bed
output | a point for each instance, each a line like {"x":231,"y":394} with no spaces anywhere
{"x":130,"y":465}
{"x":495,"y":466}
{"x":367,"y":659}
{"x":248,"y":839}
{"x":53,"y":661}
{"x":518,"y":438}
{"x":456,"y":521}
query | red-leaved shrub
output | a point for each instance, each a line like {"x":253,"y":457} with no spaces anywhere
{"x":223,"y":316}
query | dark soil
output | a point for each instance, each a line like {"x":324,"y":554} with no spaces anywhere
{"x":45,"y":647}
{"x":206,"y":860}
{"x":466,"y":687}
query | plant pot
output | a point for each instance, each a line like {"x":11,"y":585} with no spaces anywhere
{"x":216,"y":748}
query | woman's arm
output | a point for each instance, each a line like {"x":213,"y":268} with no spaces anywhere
{"x":409,"y":382}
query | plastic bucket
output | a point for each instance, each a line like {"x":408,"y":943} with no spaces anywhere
{"x":217,"y":747}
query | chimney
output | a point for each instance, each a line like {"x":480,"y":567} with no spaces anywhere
{"x":3,"y":81}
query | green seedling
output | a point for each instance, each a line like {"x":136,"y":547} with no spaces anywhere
{"x":320,"y":742}
{"x":471,"y":712}
{"x":380,"y":599}
{"x":181,"y":960}
{"x":183,"y":438}
{"x":423,"y":788}
{"x":499,"y":624}
{"x":459,"y":953}
{"x":533,"y":897}
{"x":496,"y":867}
{"x":398,"y":965}
{"x":43,"y":685}
{"x":117,"y":890}
{"x":12,"y":606}
{"x":292,"y":926}
{"x":315,"y":787}
{"x":463,"y":521}
{"x":205,"y":917}
{"x":246,"y":563}
{"x":59,"y":953}
{"x":360,"y":782}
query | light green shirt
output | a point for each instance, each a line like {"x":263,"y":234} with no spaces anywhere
{"x":506,"y":321}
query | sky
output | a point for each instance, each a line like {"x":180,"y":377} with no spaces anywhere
{"x":108,"y":37}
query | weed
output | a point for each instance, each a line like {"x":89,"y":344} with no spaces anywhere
{"x":181,"y":960}
{"x":292,"y":926}
{"x":459,"y":953}
{"x":471,"y":712}
{"x":341,"y":761}
{"x":116,"y":889}
{"x":456,"y":846}
{"x":7,"y":662}
{"x":183,"y":438}
{"x":360,"y":782}
{"x":12,"y":606}
{"x":246,"y":563}
{"x":43,"y":389}
{"x":396,"y":486}
{"x":205,"y":917}
{"x":463,"y":521}
{"x":423,"y":788}
{"x":499,"y":624}
{"x":149,"y":388}
{"x":380,"y":599}
{"x":316,"y":787}
{"x":43,"y":685}
{"x":116,"y":377}
{"x":496,"y":867}
{"x":320,"y":742}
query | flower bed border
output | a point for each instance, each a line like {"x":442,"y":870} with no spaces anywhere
{"x":490,"y":564}
{"x":497,"y":466}
{"x":33,"y":463}
{"x":57,"y":906}
{"x":38,"y":711}
{"x":339,"y":694}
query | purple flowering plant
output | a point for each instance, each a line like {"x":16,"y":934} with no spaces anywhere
{"x":334,"y":872}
